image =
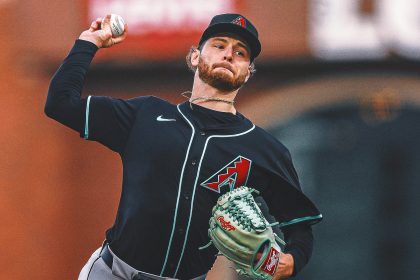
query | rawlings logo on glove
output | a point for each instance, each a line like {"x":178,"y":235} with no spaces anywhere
{"x":270,"y":264}
{"x":241,"y":233}
{"x":224,"y":224}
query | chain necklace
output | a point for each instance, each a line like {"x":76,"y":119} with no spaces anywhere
{"x":206,"y":98}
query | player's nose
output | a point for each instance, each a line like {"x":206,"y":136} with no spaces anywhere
{"x":228,"y":53}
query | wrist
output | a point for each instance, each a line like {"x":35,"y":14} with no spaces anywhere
{"x":91,"y":39}
{"x":285,"y":267}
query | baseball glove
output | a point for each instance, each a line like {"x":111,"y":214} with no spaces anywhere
{"x":241,"y":233}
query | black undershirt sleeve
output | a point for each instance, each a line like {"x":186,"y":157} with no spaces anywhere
{"x":64,"y":103}
{"x":299,"y":243}
{"x":298,"y":237}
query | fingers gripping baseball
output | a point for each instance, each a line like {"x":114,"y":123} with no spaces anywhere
{"x":96,"y":25}
{"x":100,"y":33}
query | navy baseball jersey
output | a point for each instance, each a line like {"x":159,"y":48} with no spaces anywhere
{"x":177,"y":160}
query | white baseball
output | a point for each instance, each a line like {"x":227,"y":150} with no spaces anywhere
{"x":117,"y":25}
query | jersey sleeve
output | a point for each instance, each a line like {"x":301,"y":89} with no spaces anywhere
{"x":284,"y":196}
{"x":109,"y":120}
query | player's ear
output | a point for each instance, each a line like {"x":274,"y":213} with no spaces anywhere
{"x":195,"y":57}
{"x":248,"y":74}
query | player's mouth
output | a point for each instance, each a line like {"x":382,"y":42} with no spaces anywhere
{"x":224,"y":66}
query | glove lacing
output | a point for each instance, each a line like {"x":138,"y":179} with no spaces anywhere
{"x":244,"y":211}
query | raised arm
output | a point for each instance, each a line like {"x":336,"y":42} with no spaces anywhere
{"x":64,"y":102}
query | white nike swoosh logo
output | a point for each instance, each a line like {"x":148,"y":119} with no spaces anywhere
{"x":160,"y":119}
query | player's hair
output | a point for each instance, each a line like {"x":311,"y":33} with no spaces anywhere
{"x":252,"y":69}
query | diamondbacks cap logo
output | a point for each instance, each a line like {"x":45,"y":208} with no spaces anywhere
{"x":232,"y":175}
{"x":239,"y":21}
{"x":270,"y":264}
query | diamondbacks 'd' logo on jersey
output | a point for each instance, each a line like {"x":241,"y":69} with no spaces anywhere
{"x":233,"y":175}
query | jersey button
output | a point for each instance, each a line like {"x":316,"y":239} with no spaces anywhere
{"x":181,"y":231}
{"x":186,"y":196}
{"x":202,"y":133}
{"x":194,"y":162}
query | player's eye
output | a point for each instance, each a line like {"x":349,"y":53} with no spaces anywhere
{"x":240,"y":53}
{"x":218,"y":46}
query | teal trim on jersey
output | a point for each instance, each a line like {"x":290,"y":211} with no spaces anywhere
{"x":195,"y":186}
{"x":179,"y":193}
{"x":86,"y":134}
{"x":299,"y":220}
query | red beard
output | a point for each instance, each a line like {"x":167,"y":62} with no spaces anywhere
{"x":220,"y":80}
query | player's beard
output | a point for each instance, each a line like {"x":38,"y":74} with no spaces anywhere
{"x":220,"y":80}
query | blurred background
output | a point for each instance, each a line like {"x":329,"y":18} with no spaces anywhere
{"x":337,"y":82}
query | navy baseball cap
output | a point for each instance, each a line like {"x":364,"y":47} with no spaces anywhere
{"x":235,"y":24}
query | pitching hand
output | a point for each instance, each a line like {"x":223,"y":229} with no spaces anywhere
{"x":100,"y":34}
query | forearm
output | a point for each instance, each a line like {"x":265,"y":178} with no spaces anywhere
{"x":63,"y":101}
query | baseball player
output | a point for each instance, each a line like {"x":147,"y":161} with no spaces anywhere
{"x":178,"y":159}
